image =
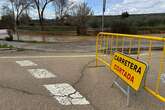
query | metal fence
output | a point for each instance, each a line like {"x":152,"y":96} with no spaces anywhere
{"x":144,"y":48}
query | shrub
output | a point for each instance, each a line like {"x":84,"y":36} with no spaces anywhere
{"x":94,"y":22}
{"x":125,"y":15}
{"x":10,"y":35}
{"x":124,"y":27}
{"x":6,"y":46}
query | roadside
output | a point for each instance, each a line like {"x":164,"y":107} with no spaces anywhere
{"x":67,"y":44}
{"x":87,"y":45}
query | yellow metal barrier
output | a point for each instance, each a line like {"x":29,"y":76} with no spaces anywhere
{"x":148,"y":49}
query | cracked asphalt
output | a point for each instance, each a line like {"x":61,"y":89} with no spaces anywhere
{"x":19,"y":90}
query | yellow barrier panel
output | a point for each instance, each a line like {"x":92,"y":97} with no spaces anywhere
{"x":128,"y":69}
{"x":148,"y":49}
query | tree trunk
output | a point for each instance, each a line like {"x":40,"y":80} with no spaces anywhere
{"x":81,"y":30}
{"x":16,"y":28}
{"x":42,"y":28}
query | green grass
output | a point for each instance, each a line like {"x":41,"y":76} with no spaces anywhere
{"x":6,"y":46}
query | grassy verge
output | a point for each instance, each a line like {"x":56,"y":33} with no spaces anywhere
{"x":6,"y":46}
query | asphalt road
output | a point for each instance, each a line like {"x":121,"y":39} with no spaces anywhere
{"x":20,"y":90}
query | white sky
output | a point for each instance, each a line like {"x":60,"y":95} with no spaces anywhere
{"x":138,"y":7}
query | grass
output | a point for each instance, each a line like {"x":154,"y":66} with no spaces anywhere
{"x":6,"y":46}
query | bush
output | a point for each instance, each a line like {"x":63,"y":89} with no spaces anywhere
{"x":124,"y":27}
{"x":81,"y":31}
{"x":125,"y":15}
{"x":6,"y":46}
{"x":10,"y":37}
{"x":7,"y":21}
{"x":94,"y":23}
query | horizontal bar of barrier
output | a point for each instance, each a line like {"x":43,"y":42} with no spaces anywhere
{"x":134,"y":36}
{"x":155,"y":94}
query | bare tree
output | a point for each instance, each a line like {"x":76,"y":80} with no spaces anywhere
{"x":41,"y":6}
{"x":82,"y":12}
{"x":62,"y":8}
{"x":7,"y":19}
{"x":5,"y":10}
{"x":18,"y":7}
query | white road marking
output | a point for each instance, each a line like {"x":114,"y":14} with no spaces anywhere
{"x":67,"y":56}
{"x":26,"y":63}
{"x":41,"y":73}
{"x":65,"y":94}
{"x":63,"y":100}
{"x":163,"y":78}
{"x":62,"y":56}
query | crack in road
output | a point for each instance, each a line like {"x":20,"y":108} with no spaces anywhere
{"x":82,"y":72}
{"x":70,"y":97}
{"x":23,"y":91}
{"x":81,"y":77}
{"x":96,"y":66}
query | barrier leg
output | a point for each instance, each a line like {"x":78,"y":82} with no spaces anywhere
{"x":125,"y":91}
{"x":114,"y":80}
{"x":96,"y":62}
{"x":128,"y":95}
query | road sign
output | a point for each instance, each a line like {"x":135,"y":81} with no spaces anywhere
{"x":128,"y":69}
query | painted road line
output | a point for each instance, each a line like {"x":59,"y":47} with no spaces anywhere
{"x":67,"y":56}
{"x":162,"y":78}
{"x":41,"y":73}
{"x":26,"y":63}
{"x":65,"y":94}
{"x":62,"y":56}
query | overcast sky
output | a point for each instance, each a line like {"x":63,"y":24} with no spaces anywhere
{"x":115,"y":7}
